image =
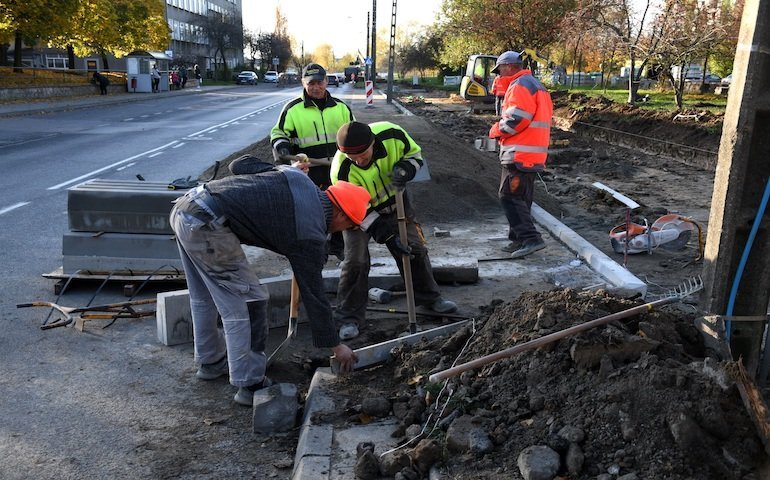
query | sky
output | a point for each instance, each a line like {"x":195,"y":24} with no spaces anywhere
{"x":340,"y":23}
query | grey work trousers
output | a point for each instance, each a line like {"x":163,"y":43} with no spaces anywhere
{"x":352,"y":291}
{"x":220,"y":282}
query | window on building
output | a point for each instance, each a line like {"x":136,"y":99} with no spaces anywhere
{"x":57,"y":61}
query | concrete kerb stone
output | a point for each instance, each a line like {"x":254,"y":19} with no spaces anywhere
{"x":314,"y":447}
{"x":623,"y":281}
{"x":173,"y":308}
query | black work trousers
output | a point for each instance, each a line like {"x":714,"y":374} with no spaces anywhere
{"x":517,"y":189}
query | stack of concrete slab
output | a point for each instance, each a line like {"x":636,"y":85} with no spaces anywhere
{"x":120,"y":226}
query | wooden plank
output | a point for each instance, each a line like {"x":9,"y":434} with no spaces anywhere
{"x":752,"y":400}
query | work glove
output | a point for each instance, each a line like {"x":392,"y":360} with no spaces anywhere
{"x":281,"y":150}
{"x":403,"y":171}
{"x":385,"y":230}
{"x":397,"y":248}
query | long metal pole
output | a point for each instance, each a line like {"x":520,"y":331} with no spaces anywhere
{"x":373,"y":70}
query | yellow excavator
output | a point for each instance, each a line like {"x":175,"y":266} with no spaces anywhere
{"x":476,"y":85}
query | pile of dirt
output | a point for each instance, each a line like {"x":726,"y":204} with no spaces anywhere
{"x":636,"y":398}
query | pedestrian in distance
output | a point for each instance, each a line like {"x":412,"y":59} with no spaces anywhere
{"x":102,"y":82}
{"x":308,"y":125}
{"x":272,"y":207}
{"x":183,"y":76}
{"x":382,"y":158}
{"x":155,"y":75}
{"x":175,"y":80}
{"x":524,"y":132}
{"x":197,"y":73}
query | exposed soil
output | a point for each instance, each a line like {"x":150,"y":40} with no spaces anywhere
{"x":637,"y":398}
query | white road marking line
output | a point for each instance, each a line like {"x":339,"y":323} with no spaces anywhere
{"x":126,"y":166}
{"x":13,"y":207}
{"x":178,"y":145}
{"x":155,"y":154}
{"x":113,"y":165}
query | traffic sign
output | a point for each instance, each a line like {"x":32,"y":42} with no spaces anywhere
{"x":368,"y":60}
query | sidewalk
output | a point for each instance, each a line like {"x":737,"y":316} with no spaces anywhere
{"x":62,"y":104}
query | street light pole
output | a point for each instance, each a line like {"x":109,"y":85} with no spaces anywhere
{"x":373,"y":71}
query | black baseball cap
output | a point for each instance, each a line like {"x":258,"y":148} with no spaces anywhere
{"x":314,"y":71}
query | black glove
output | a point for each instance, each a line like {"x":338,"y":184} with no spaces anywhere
{"x":403,"y":171}
{"x":397,"y":248}
{"x":282,"y":150}
{"x":383,"y":228}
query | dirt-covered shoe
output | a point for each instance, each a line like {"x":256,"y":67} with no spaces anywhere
{"x":212,"y":371}
{"x":512,"y":246}
{"x":443,"y":306}
{"x":245,"y":395}
{"x":528,"y":248}
{"x":348,"y":331}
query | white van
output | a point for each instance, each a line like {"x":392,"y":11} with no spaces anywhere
{"x":271,"y":76}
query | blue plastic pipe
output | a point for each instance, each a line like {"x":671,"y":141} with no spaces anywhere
{"x":745,"y":258}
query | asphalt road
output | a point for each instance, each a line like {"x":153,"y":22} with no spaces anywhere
{"x":160,"y":138}
{"x":52,"y":387}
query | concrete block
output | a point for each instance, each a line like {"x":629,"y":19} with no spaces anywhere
{"x":122,"y":206}
{"x":173,"y":317}
{"x":275,"y":409}
{"x":111,"y":252}
{"x":455,"y":270}
{"x":312,"y":468}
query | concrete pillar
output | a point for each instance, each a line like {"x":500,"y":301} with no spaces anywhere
{"x":741,"y":176}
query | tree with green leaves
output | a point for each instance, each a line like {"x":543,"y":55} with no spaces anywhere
{"x":476,"y":26}
{"x":115,"y":27}
{"x":28,"y":21}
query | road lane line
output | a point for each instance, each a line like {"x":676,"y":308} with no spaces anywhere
{"x":178,"y":145}
{"x":13,"y":207}
{"x":155,"y":154}
{"x":100,"y":170}
{"x":126,"y":166}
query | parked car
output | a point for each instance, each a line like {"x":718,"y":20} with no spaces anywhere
{"x":247,"y":77}
{"x":340,"y":77}
{"x":332,"y":80}
{"x":271,"y":76}
{"x":710,"y":78}
{"x":727,"y":80}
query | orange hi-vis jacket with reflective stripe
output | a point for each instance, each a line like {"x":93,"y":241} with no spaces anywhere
{"x":500,"y":85}
{"x":524,"y":129}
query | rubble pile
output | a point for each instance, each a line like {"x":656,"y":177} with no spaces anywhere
{"x":635,"y":399}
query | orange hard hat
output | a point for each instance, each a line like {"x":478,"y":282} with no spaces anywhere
{"x":351,"y":199}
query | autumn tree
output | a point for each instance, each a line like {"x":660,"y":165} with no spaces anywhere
{"x":691,"y":38}
{"x":421,"y":54}
{"x":633,"y":23}
{"x":28,"y":21}
{"x":476,"y":26}
{"x":115,"y":27}
{"x":723,"y":53}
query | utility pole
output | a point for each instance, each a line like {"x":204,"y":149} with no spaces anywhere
{"x":368,"y":33}
{"x":737,"y":252}
{"x":373,"y":71}
{"x":391,"y":52}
